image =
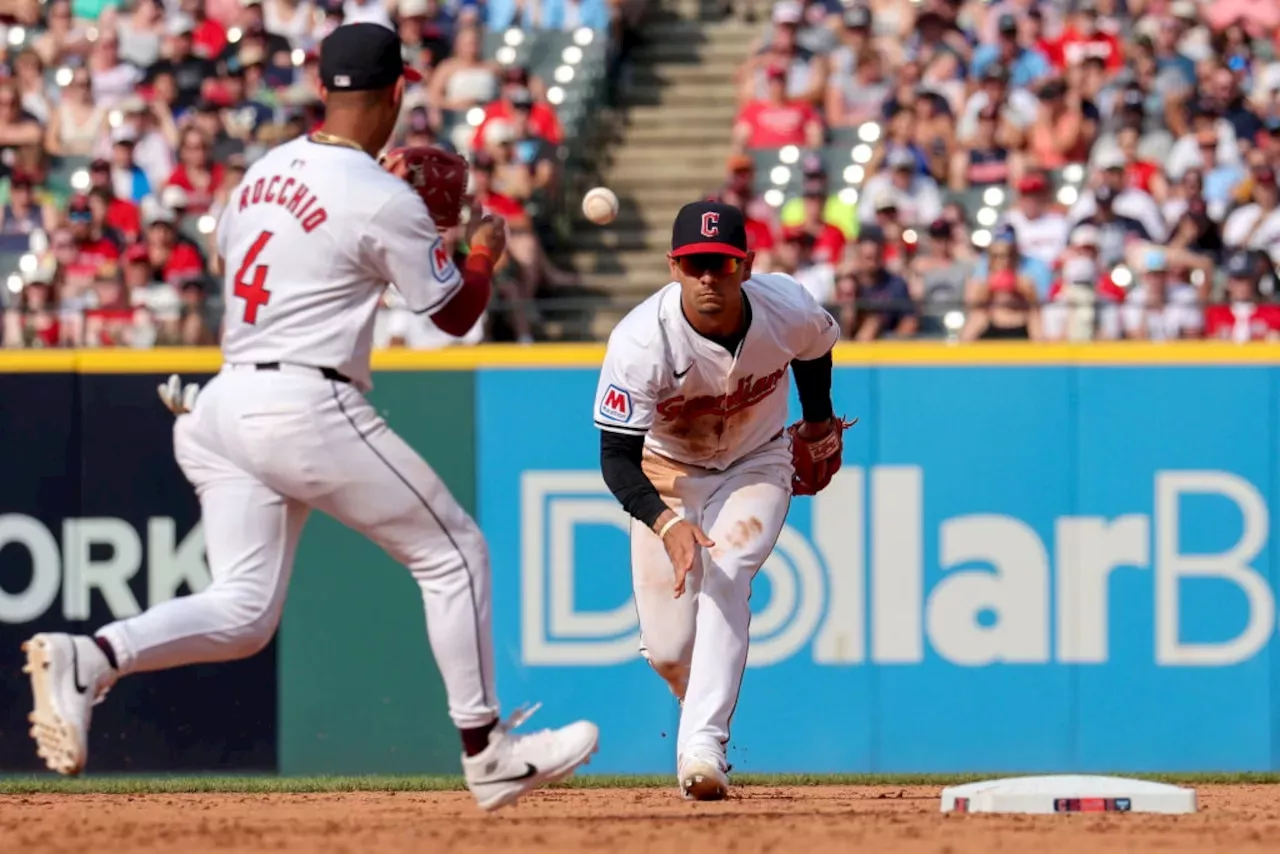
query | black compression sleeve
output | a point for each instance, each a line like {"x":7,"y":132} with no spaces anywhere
{"x":813,"y":385}
{"x":620,"y":455}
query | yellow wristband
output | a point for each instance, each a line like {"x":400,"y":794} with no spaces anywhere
{"x":671,"y":523}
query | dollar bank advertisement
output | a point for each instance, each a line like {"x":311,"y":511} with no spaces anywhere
{"x":1019,"y":568}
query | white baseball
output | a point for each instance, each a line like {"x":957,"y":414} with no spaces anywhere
{"x":600,"y":205}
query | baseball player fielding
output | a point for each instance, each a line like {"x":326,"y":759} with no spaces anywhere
{"x":692,"y":408}
{"x":315,"y":233}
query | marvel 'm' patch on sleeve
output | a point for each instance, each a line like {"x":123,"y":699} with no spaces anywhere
{"x":615,"y":404}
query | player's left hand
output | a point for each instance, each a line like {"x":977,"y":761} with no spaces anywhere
{"x":178,"y":398}
{"x":816,"y":451}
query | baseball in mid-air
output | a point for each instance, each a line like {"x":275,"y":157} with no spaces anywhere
{"x":600,"y":205}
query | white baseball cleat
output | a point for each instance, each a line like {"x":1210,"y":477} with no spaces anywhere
{"x":69,"y":674}
{"x":514,"y":764}
{"x":703,"y":778}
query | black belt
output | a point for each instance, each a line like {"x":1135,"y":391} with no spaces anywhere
{"x":327,"y":373}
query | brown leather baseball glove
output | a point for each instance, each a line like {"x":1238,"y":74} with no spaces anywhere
{"x":816,"y":460}
{"x":435,"y":174}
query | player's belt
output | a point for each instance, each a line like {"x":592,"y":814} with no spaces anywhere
{"x":327,"y":373}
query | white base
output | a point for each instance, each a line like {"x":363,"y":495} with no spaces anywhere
{"x":1066,"y":793}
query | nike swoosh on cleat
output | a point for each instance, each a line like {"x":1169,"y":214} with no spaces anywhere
{"x":529,"y":771}
{"x":75,"y":668}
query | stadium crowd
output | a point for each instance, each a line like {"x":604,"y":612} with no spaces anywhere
{"x":159,"y":106}
{"x":1020,"y":169}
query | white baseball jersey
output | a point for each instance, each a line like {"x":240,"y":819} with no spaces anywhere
{"x":694,"y":401}
{"x":309,"y":241}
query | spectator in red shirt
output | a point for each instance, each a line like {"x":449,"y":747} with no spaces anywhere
{"x":110,"y":322}
{"x":777,"y":120}
{"x":95,"y":244}
{"x":828,"y":240}
{"x":173,"y":258}
{"x":1082,"y":38}
{"x":196,"y":172}
{"x":1141,"y":174}
{"x":1244,"y":317}
{"x":120,"y":215}
{"x":543,"y":121}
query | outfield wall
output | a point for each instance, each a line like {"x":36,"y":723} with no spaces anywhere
{"x":1037,"y":557}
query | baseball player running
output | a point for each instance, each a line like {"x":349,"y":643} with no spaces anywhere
{"x":316,"y":231}
{"x":692,"y":405}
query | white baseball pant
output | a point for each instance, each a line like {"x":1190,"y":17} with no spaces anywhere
{"x":262,"y":448}
{"x":698,"y":643}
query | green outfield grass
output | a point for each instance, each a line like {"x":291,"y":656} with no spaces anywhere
{"x":135,"y":785}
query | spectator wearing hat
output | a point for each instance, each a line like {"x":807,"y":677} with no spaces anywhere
{"x":189,"y":70}
{"x":1017,"y":108}
{"x":835,"y":211}
{"x":981,"y":160}
{"x":1256,"y":225}
{"x":530,"y":153}
{"x":1041,"y":230}
{"x":1116,"y":232}
{"x":797,"y":257}
{"x":1128,"y":202}
{"x":1001,"y":302}
{"x":1206,"y":123}
{"x":515,"y":89}
{"x":247,"y":102}
{"x":915,"y":196}
{"x":31,"y":318}
{"x":109,"y":320}
{"x":1061,"y":132}
{"x":857,"y":98}
{"x":855,"y":38}
{"x":935,"y":40}
{"x":1026,"y":64}
{"x":828,"y":240}
{"x":24,"y":213}
{"x":777,"y":119}
{"x":937,"y":273}
{"x":161,"y":301}
{"x":1048,"y":15}
{"x":1245,"y":316}
{"x":1077,"y":308}
{"x":874,"y":303}
{"x":805,"y":71}
{"x":1160,"y":308}
{"x":426,"y":24}
{"x":94,"y":241}
{"x":173,"y":258}
{"x":739,"y":191}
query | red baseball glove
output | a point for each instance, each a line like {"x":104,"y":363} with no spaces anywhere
{"x":435,"y":174}
{"x":816,"y":460}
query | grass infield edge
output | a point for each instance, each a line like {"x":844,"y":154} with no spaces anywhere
{"x":268,"y":784}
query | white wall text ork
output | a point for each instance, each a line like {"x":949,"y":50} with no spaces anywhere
{"x":69,"y":567}
{"x":855,"y":586}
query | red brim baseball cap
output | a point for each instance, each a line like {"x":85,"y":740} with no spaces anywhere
{"x":709,"y":228}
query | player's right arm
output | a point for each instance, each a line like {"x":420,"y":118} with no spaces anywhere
{"x":403,"y":246}
{"x":626,"y":397}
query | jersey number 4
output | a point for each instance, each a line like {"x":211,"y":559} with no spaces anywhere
{"x":253,"y":291}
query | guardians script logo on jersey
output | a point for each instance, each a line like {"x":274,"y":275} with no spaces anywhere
{"x":616,"y":405}
{"x":749,"y":392}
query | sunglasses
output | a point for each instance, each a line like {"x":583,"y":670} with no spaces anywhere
{"x":717,"y":265}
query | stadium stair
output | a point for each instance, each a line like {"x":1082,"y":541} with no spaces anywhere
{"x":669,"y":147}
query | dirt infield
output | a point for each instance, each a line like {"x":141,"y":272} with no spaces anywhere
{"x":879,"y":819}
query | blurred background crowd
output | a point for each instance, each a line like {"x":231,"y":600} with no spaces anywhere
{"x":1081,"y":170}
{"x":1019,"y":169}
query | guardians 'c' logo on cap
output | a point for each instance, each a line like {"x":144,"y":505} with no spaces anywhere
{"x":710,"y":224}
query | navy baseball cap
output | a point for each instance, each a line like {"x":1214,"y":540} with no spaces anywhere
{"x":711,"y":228}
{"x":362,"y":57}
